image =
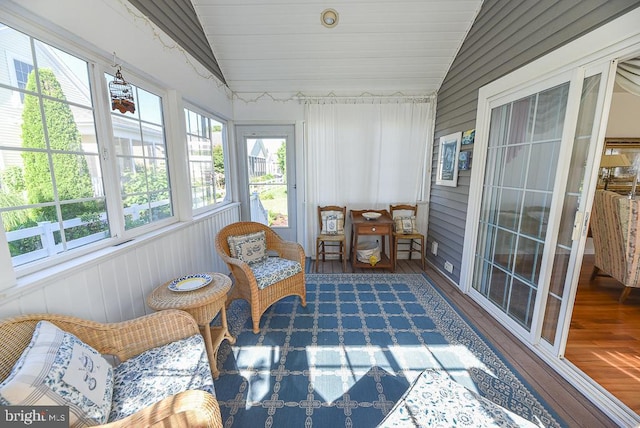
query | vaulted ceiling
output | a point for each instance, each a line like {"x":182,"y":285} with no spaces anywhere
{"x":379,"y":47}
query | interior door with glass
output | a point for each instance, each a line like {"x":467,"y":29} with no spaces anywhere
{"x":268,"y":176}
{"x":532,"y":212}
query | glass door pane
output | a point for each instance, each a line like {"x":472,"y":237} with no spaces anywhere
{"x":561,"y":278}
{"x":266,"y":164}
{"x":522,"y":156}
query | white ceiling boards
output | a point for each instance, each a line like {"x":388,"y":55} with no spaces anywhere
{"x":381,"y":47}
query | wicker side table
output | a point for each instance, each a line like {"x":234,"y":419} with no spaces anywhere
{"x":203,"y":304}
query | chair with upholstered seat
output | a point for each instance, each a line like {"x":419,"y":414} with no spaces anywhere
{"x":265,"y":267}
{"x":406,"y":237}
{"x":331,"y":223}
{"x":616,"y":238}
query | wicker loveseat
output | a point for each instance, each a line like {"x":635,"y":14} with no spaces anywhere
{"x":125,"y":342}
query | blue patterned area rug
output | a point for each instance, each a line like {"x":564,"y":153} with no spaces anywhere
{"x":345,"y":359}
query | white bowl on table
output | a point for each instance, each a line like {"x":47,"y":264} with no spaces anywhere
{"x":370,"y":215}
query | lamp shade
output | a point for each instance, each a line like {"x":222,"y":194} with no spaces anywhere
{"x":612,"y":161}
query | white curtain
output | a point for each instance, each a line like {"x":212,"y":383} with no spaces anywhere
{"x":628,"y":75}
{"x":365,"y":155}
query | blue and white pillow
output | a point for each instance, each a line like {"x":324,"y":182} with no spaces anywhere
{"x":406,"y":225}
{"x":332,"y":223}
{"x":249,"y":248}
{"x":57,"y":368}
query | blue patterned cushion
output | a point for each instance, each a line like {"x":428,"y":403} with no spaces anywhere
{"x":159,"y":373}
{"x":57,"y":368}
{"x":274,"y":269}
{"x":434,"y":399}
{"x":250,"y":248}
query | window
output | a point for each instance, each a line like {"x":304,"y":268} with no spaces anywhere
{"x":51,"y":191}
{"x":141,"y":155}
{"x":53,"y":197}
{"x":206,"y":144}
{"x":22,"y":70}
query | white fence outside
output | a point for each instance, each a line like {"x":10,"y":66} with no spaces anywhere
{"x":258,"y":211}
{"x":45,"y":231}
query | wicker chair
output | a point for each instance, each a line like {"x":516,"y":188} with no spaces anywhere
{"x":245,"y":283}
{"x":193,"y":408}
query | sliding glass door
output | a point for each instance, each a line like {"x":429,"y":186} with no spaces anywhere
{"x":534,"y":203}
{"x":524,"y":146}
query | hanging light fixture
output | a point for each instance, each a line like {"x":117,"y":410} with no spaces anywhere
{"x":329,"y":18}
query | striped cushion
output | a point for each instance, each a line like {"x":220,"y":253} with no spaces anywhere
{"x":59,"y":369}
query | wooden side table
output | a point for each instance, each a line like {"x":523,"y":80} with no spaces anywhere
{"x":203,"y":304}
{"x":383,"y":227}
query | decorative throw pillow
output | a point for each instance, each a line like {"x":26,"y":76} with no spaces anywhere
{"x":406,"y":224}
{"x":332,"y":223}
{"x":249,"y":248}
{"x":57,"y":368}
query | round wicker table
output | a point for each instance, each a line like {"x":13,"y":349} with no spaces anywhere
{"x":203,"y":304}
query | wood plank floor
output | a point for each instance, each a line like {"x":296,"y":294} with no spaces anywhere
{"x":567,"y":402}
{"x":604,"y":339}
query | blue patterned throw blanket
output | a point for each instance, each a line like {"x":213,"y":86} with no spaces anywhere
{"x":351,"y":354}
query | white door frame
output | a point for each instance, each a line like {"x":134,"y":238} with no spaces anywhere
{"x":287,"y":131}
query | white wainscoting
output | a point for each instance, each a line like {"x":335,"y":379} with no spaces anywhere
{"x":113,"y":288}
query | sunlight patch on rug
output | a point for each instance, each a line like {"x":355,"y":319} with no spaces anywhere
{"x":345,"y":359}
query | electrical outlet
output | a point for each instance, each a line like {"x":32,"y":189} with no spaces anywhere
{"x":434,"y":248}
{"x":448,"y":267}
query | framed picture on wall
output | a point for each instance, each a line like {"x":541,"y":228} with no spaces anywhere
{"x":448,"y":160}
{"x":468,"y":137}
{"x":464,"y":160}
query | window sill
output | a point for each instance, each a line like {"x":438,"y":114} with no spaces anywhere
{"x":27,"y":283}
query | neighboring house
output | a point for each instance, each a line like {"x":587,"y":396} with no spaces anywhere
{"x":258,"y":159}
{"x":262,"y":160}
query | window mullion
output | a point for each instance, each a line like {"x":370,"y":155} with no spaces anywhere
{"x":107,"y":153}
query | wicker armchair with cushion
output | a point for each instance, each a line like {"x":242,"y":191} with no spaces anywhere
{"x":150,"y":371}
{"x":265,"y":267}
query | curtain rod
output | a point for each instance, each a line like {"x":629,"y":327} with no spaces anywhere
{"x":364,"y":99}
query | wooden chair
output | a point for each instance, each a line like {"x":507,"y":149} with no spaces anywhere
{"x":124,"y":340}
{"x":405,"y":232}
{"x":245,"y":281}
{"x":331,"y":219}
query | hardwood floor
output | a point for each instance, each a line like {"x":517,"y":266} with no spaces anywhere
{"x":604,"y":339}
{"x":567,"y":402}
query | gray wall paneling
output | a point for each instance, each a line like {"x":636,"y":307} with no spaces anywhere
{"x":178,"y":19}
{"x":506,"y":35}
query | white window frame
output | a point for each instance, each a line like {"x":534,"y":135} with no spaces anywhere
{"x":225,"y":150}
{"x":97,"y":65}
{"x":109,"y":159}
